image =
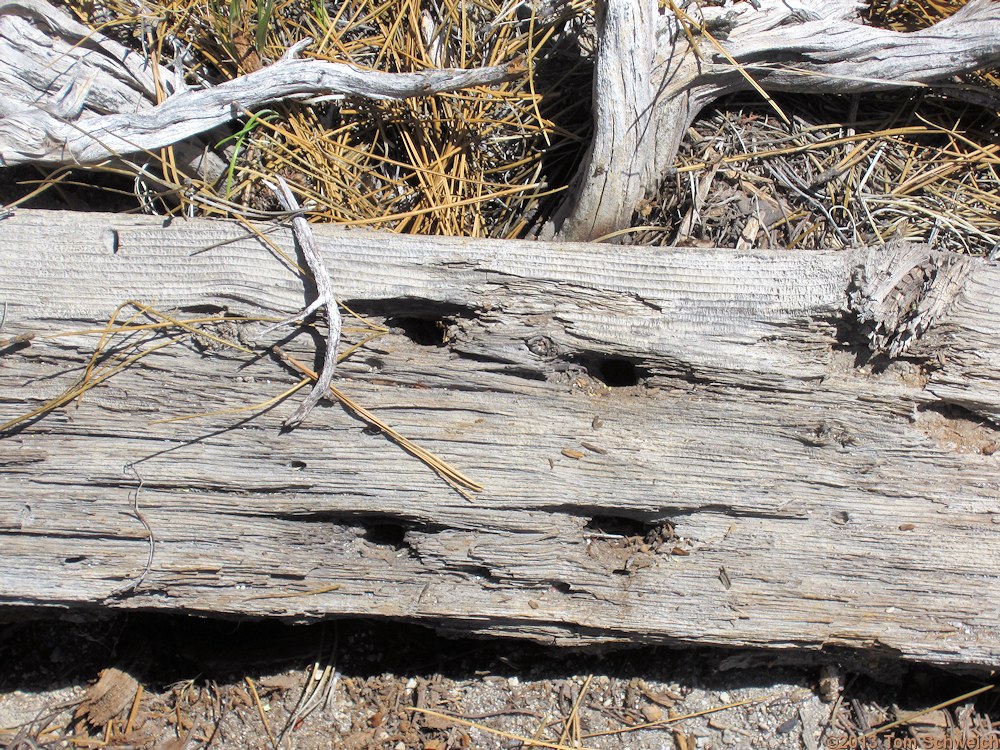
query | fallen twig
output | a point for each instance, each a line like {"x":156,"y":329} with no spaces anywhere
{"x":37,"y":136}
{"x":458,"y":481}
{"x":324,"y":298}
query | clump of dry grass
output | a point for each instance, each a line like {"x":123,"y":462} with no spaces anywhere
{"x":490,"y":162}
{"x":477,"y":162}
{"x":919,"y":165}
{"x":847,"y":171}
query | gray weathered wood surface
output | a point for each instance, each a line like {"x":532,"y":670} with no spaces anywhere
{"x":847,"y":507}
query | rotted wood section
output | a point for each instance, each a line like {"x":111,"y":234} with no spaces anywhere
{"x":783,"y":450}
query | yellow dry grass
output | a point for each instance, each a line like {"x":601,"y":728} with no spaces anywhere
{"x":918,"y":168}
{"x":468,"y":163}
{"x":492,"y":161}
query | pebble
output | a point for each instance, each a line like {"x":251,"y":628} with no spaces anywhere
{"x":652,"y":713}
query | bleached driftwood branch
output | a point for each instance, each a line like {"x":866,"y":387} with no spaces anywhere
{"x":70,"y":126}
{"x":644,"y":103}
{"x":60,"y":70}
{"x":49,"y":61}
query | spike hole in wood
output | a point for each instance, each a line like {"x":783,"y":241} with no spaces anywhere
{"x":422,"y":331}
{"x":614,"y":372}
{"x":617,"y":373}
{"x":626,"y":545}
{"x":385,"y":534}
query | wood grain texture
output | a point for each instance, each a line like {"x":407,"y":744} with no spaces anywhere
{"x":849,"y":505}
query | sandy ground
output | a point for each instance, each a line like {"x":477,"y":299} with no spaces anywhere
{"x":175,"y":682}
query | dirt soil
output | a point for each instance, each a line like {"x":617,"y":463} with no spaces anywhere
{"x":173,"y":682}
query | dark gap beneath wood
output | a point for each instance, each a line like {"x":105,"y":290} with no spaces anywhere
{"x":41,"y":651}
{"x":189,"y":665}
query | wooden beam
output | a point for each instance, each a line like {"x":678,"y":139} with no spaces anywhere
{"x":676,"y":445}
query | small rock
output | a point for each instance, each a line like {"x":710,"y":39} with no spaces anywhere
{"x":831,"y":682}
{"x":788,"y":725}
{"x":652,"y":713}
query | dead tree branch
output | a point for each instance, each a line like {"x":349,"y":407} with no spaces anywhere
{"x":818,"y":46}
